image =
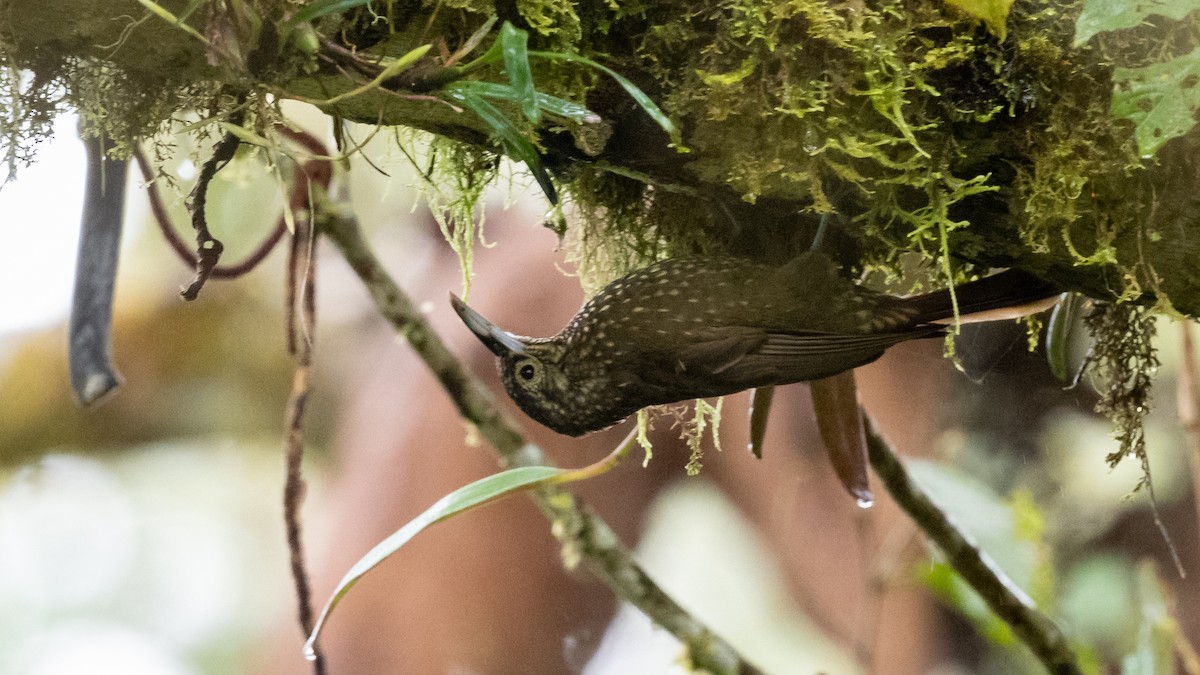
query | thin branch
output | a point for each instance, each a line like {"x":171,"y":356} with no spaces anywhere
{"x":1009,"y":602}
{"x":301,"y":328}
{"x":582,"y":532}
{"x":293,"y":497}
{"x":301,"y":315}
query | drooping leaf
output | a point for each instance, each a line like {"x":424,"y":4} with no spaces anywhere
{"x":839,"y":420}
{"x":1058,"y":333}
{"x":515,"y":143}
{"x":645,"y":102}
{"x":760,"y":410}
{"x":470,"y":496}
{"x":1154,"y":653}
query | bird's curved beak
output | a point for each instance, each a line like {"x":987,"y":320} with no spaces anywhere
{"x":500,"y":342}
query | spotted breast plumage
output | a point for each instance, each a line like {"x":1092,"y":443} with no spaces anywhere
{"x":697,"y":327}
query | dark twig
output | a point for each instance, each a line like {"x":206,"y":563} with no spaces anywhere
{"x":301,"y":327}
{"x":1009,"y":602}
{"x":580,"y":530}
{"x":159,"y":210}
{"x":89,"y":350}
{"x":208,"y":249}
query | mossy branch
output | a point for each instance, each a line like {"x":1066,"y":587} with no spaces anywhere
{"x":997,"y":153}
{"x":1035,"y":629}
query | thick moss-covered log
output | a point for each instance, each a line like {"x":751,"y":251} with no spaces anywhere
{"x":905,"y":126}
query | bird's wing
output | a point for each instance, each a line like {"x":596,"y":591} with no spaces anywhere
{"x":749,"y":357}
{"x":796,"y":356}
{"x":808,"y":344}
{"x":714,"y":350}
{"x":697,"y":369}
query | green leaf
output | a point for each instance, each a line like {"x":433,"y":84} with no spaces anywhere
{"x":465,"y":498}
{"x":639,"y":96}
{"x":1099,"y":16}
{"x":993,"y":13}
{"x":992,"y":523}
{"x":516,"y":144}
{"x":945,"y":583}
{"x":551,"y":104}
{"x":1160,"y":99}
{"x":514,"y":46}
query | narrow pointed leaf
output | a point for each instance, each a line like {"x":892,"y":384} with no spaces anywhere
{"x":514,"y":45}
{"x":647,"y":104}
{"x":515,"y":143}
{"x":551,"y":104}
{"x":467,"y":497}
{"x":1058,"y":333}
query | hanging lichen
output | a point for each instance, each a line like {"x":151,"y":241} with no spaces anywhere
{"x":1124,"y":361}
{"x":455,"y":176}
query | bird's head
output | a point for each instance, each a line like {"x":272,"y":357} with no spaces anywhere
{"x":530,"y":369}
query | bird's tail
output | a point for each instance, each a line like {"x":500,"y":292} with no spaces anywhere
{"x":1008,"y":295}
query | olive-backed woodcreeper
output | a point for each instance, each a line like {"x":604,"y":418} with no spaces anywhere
{"x":697,"y":327}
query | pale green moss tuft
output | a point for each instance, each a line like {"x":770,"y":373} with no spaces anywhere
{"x":455,"y":177}
{"x":704,"y":415}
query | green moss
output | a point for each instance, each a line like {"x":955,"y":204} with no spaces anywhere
{"x":907,"y":120}
{"x":548,"y":18}
{"x":807,"y":101}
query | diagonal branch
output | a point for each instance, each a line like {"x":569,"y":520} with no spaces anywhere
{"x":1009,"y":602}
{"x":580,"y":529}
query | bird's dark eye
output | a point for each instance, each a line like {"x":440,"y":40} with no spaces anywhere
{"x":527,"y":371}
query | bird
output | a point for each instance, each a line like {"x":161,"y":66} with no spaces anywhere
{"x":698,"y":327}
